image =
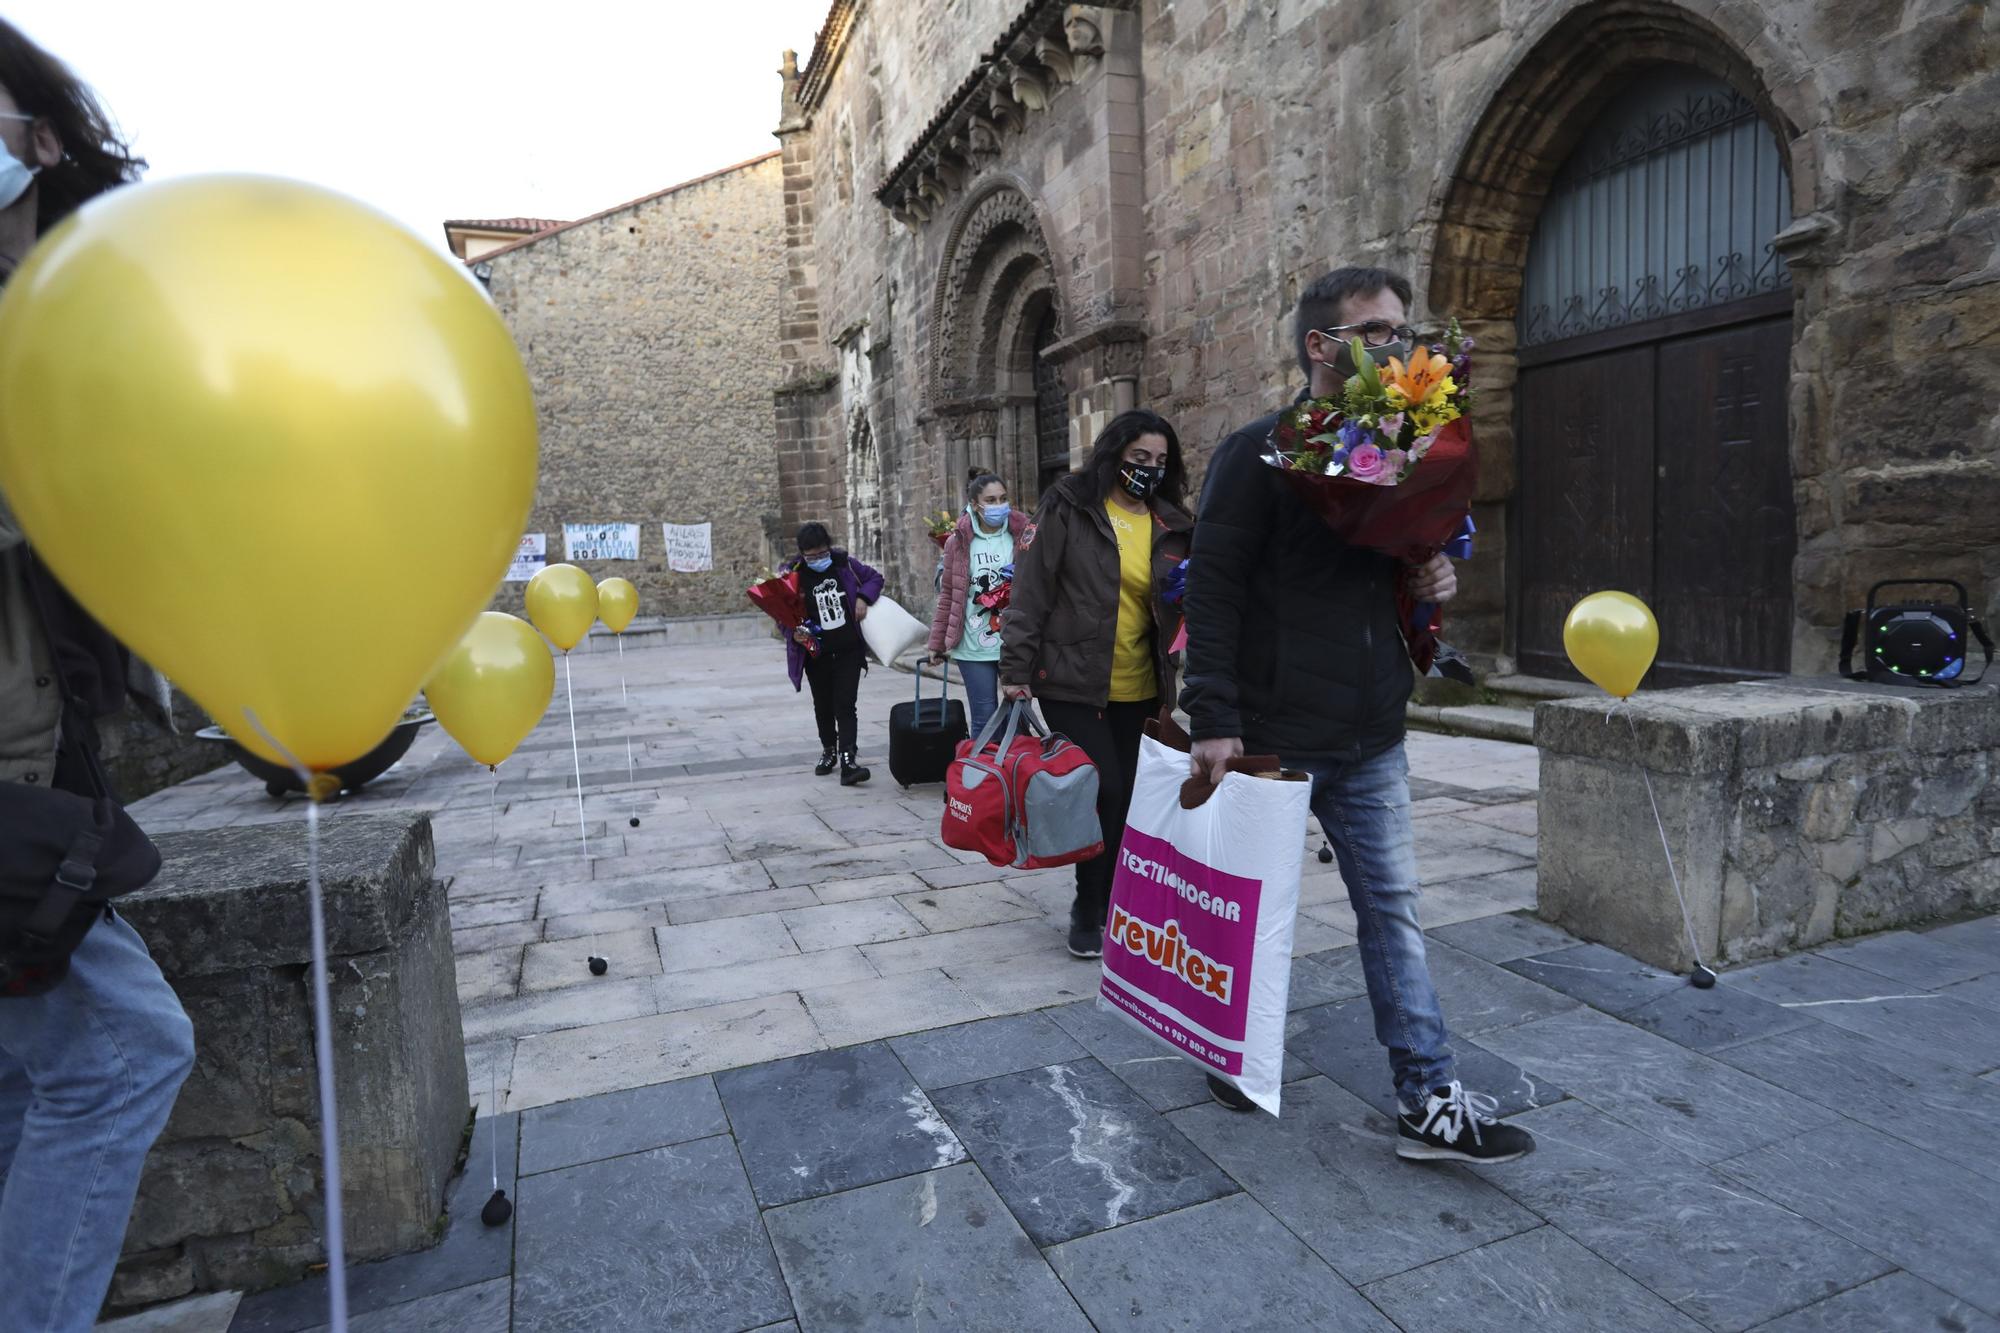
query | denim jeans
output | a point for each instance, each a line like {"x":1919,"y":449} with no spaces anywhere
{"x":982,"y":692}
{"x":88,"y":1076}
{"x":1365,"y":810}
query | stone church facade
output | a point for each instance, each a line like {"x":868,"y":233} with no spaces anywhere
{"x":1733,"y":268}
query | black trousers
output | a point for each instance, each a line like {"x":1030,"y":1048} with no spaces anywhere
{"x":1110,"y":736}
{"x":836,"y":682}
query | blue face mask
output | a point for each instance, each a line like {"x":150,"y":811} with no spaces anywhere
{"x":15,"y":175}
{"x":995,"y":515}
{"x":821,"y":565}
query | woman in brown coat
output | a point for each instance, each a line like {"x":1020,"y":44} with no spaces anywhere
{"x":1087,"y":633}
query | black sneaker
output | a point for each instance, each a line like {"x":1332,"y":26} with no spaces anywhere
{"x":827,"y":763}
{"x":1458,"y":1126}
{"x":1228,"y":1095}
{"x":851,"y":773}
{"x":1085,"y":940}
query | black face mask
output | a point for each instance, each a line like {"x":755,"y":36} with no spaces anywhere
{"x":1141,"y":482}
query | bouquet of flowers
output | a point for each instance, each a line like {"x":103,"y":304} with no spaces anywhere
{"x":940,"y":526}
{"x":778,"y":596}
{"x":1388,"y":464}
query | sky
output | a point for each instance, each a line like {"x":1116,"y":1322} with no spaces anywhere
{"x":429,"y":110}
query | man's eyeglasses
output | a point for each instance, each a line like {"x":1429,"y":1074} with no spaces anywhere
{"x":1374,"y":332}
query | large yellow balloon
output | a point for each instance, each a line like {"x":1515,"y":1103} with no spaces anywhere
{"x":562,"y":601}
{"x":617,"y":603}
{"x":494,"y":687}
{"x":275,"y":442}
{"x":1611,"y":638}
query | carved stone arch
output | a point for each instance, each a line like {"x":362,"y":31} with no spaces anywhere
{"x":1586,"y":55}
{"x":998,"y":226}
{"x":1541,"y":107}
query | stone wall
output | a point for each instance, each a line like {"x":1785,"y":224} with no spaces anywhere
{"x":647,"y":335}
{"x":231,"y":1198}
{"x":1798,"y":812}
{"x":1273,"y":139}
{"x":143,"y":757}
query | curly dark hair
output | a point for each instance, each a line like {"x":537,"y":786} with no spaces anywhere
{"x":1107,"y":455}
{"x":95,"y":156}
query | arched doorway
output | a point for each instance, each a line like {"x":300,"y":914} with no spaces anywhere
{"x":996,"y":388}
{"x":1654,"y":331}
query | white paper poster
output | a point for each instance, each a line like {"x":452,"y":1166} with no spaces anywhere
{"x":689,"y":548}
{"x":530,"y":557}
{"x":601,"y":541}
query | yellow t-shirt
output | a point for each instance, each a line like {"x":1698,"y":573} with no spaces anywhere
{"x":1132,"y":675}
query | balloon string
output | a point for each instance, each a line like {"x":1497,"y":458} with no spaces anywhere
{"x":493,"y":821}
{"x":329,"y":1129}
{"x":626,"y":697}
{"x":1686,"y":920}
{"x":569,"y":687}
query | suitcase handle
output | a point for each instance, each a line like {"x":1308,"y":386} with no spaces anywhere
{"x":944,"y":688}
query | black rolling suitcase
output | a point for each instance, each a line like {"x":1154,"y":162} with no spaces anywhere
{"x":924,"y":733}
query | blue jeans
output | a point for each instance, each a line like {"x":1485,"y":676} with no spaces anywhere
{"x":982,"y":691}
{"x":88,"y":1076}
{"x":1365,"y":810}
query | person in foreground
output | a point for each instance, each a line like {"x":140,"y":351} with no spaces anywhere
{"x":838,"y":590}
{"x":1087,"y":633}
{"x":978,"y":561}
{"x":90,"y":1065}
{"x":1294,"y":649}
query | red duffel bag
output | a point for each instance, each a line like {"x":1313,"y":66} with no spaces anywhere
{"x":1026,"y":799}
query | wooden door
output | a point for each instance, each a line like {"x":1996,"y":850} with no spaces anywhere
{"x":1722,"y":570}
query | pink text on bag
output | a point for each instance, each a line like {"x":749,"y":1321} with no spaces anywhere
{"x":1178,"y":948}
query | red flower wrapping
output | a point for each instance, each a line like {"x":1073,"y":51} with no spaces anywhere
{"x":1410,"y":521}
{"x":997,"y":600}
{"x":779,"y":598}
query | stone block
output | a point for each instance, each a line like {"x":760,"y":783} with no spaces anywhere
{"x":1797,"y":810}
{"x":234,"y":1186}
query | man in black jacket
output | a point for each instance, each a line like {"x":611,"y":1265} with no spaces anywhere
{"x":1294,"y":649}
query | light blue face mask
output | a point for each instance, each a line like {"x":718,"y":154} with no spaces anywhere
{"x":821,"y":565}
{"x":995,"y":516}
{"x":15,"y":175}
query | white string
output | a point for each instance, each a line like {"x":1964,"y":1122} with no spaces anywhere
{"x":329,"y":1128}
{"x":569,"y":687}
{"x":627,"y":700}
{"x":1660,"y":824}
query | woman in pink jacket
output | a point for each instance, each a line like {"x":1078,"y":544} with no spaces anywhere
{"x":978,"y":558}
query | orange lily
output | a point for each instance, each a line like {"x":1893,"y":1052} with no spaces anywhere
{"x":1416,"y":381}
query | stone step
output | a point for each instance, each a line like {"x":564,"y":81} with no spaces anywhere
{"x":1493,"y":722}
{"x":678,"y":631}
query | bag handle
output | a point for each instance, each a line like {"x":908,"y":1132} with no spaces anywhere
{"x":1011,"y":712}
{"x":1196,"y":791}
{"x":944,"y":686}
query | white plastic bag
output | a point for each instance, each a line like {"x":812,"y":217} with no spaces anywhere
{"x":1198,"y":938}
{"x":890,"y":631}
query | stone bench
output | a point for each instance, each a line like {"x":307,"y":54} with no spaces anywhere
{"x":231,"y":1196}
{"x":1799,"y":811}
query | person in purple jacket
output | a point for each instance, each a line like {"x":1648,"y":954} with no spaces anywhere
{"x":837,"y":590}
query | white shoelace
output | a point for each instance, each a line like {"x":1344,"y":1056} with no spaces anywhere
{"x":1450,"y":1115}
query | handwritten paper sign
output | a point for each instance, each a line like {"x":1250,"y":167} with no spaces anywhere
{"x":529,"y":557}
{"x":689,"y":548}
{"x":601,"y":541}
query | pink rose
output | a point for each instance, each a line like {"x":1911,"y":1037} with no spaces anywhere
{"x":1365,"y":463}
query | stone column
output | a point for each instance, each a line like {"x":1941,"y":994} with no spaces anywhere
{"x":1798,"y":810}
{"x":232,"y":1192}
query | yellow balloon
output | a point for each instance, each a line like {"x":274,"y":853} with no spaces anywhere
{"x":562,"y":601}
{"x":1611,"y":638}
{"x":494,"y":687}
{"x":280,"y":446}
{"x":617,"y":603}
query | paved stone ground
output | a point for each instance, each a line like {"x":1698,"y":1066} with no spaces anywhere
{"x":839,"y":1075}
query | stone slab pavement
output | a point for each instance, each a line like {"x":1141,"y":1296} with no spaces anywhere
{"x":839,"y":1076}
